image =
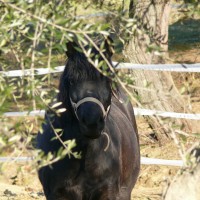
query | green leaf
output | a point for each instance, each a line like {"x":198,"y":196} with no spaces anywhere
{"x":61,"y":110}
{"x":56,"y":105}
{"x":15,"y":138}
{"x":106,"y":33}
{"x":2,"y":142}
{"x":3,"y":42}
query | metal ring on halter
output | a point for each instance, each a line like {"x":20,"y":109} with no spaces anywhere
{"x":108,"y":140}
{"x":90,"y":99}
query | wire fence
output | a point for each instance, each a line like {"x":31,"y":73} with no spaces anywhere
{"x":138,"y":111}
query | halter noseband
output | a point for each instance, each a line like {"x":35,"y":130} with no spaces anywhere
{"x":90,"y":99}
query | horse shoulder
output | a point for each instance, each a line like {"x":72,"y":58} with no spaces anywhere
{"x":129,"y":145}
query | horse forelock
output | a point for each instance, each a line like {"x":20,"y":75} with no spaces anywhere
{"x":79,"y":68}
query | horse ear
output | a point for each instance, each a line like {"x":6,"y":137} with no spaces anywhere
{"x":109,"y":47}
{"x":71,"y":49}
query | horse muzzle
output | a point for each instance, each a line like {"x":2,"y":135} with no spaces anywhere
{"x":91,"y":115}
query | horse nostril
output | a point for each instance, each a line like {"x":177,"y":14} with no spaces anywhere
{"x":84,"y":121}
{"x":92,"y":121}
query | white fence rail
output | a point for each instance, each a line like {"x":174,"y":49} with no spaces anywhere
{"x":138,"y":111}
{"x":104,"y":14}
{"x":156,"y":67}
{"x":144,"y":161}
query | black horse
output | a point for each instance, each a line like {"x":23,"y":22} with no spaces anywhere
{"x":105,"y":131}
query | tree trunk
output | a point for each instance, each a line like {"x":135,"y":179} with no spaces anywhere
{"x":152,"y":34}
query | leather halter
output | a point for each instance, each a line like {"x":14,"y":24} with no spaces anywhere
{"x":90,"y":99}
{"x":105,"y":113}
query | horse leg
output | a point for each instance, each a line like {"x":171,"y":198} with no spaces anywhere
{"x":124,"y":197}
{"x":69,"y":194}
{"x":70,"y":197}
{"x":124,"y":194}
{"x":104,"y":193}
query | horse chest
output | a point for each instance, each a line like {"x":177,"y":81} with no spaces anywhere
{"x":99,"y":172}
{"x":98,"y":166}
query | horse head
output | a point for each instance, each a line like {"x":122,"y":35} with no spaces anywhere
{"x":85,"y":91}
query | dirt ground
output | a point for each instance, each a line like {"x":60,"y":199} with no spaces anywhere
{"x":20,"y":182}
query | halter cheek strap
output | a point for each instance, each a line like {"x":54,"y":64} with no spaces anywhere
{"x":90,"y":99}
